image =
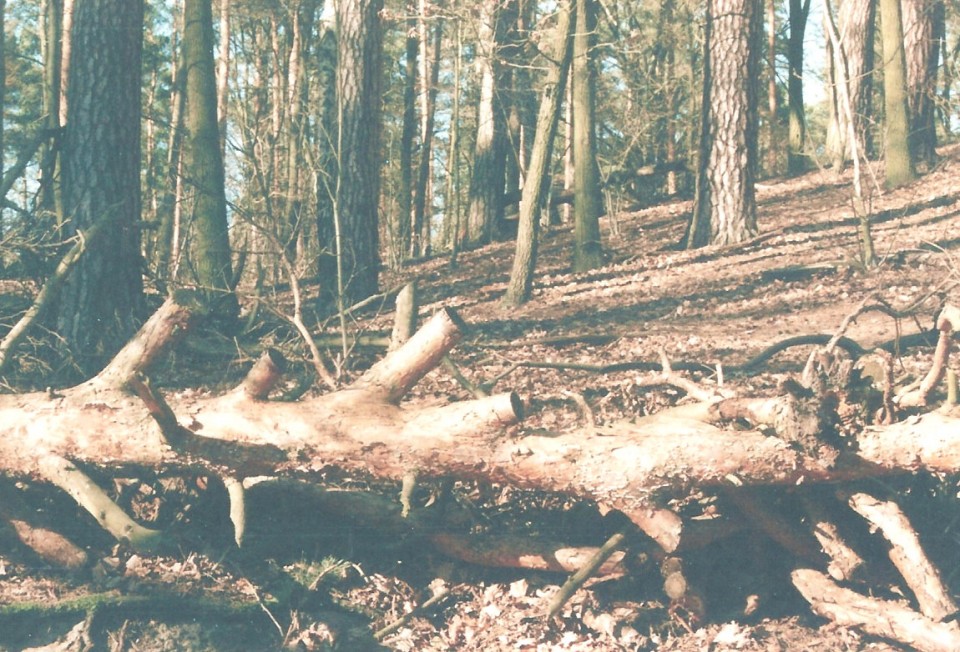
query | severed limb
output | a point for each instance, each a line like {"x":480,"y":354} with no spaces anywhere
{"x":264,"y":375}
{"x":845,"y":562}
{"x":948,"y":321}
{"x":575,"y":581}
{"x":238,"y":506}
{"x":892,"y":620}
{"x":92,"y":498}
{"x":907,"y":555}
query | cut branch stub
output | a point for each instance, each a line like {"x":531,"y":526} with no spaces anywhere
{"x":264,"y":375}
{"x":391,"y":378}
{"x":167,"y":325}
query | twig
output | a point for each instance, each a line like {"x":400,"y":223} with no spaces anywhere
{"x":382,"y":633}
{"x":575,"y":581}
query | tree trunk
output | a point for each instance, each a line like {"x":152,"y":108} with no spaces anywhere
{"x":772,"y":99}
{"x":899,"y":164}
{"x":485,"y":199}
{"x":363,"y":429}
{"x":923,"y":30}
{"x":538,"y":176}
{"x":725,"y":210}
{"x":404,"y":220}
{"x":588,"y":205}
{"x":326,"y":183}
{"x":52,"y":20}
{"x":205,"y":194}
{"x":357,"y":196}
{"x":797,"y":159}
{"x":857,"y":30}
{"x":430,"y":75}
{"x":223,"y":72}
{"x":103,"y":299}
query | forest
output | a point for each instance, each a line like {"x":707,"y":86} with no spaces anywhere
{"x":492,"y":325}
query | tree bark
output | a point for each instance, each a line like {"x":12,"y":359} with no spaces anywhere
{"x":725,"y":210}
{"x":357,"y":196}
{"x":856,"y":24}
{"x":485,"y":201}
{"x":103,"y":298}
{"x":588,"y":205}
{"x":923,"y":30}
{"x":538,"y":176}
{"x":203,"y":164}
{"x":899,"y":163}
{"x":797,"y":159}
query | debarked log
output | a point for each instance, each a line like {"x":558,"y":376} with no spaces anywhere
{"x":362,"y":428}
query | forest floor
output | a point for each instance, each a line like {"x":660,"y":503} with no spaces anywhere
{"x":716,"y":306}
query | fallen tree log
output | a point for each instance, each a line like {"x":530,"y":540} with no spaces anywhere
{"x":362,"y":428}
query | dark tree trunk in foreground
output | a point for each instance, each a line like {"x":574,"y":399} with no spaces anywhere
{"x":357,"y":195}
{"x":205,"y":195}
{"x":896,"y":147}
{"x":725,"y":210}
{"x":103,"y":298}
{"x":588,"y":203}
{"x":923,"y":30}
{"x":797,"y":159}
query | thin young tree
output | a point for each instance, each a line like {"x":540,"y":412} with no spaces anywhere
{"x":588,"y":202}
{"x":535,"y":189}
{"x":725,"y":210}
{"x":430,"y":76}
{"x":103,"y":299}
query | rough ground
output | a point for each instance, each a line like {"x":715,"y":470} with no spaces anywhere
{"x":717,"y":306}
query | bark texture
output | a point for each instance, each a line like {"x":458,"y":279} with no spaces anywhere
{"x":359,"y":49}
{"x":725,"y":210}
{"x":103,"y":298}
{"x":900,"y":169}
{"x":856,"y":25}
{"x":588,"y":204}
{"x":203,"y":163}
{"x":923,"y":30}
{"x":485,"y":203}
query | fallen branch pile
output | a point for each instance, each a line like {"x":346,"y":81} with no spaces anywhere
{"x":117,"y":423}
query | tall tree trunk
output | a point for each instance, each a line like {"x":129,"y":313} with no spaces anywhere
{"x":103,"y":298}
{"x":587,"y":203}
{"x":454,"y":224}
{"x":923,"y":29}
{"x":485,"y":199}
{"x":899,"y":164}
{"x":430,"y":75}
{"x":223,"y":72}
{"x":359,"y":48}
{"x":66,"y":31}
{"x":538,"y":176}
{"x":203,"y":164}
{"x":167,"y":249}
{"x":797,"y":159}
{"x":772,"y":100}
{"x":52,"y":19}
{"x":326,"y":166}
{"x":3,"y":99}
{"x":725,"y":209}
{"x":297,"y":98}
{"x":857,"y":30}
{"x":404,"y":221}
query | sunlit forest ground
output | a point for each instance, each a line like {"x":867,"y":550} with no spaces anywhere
{"x":335,"y":579}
